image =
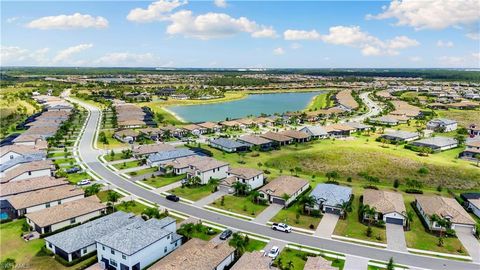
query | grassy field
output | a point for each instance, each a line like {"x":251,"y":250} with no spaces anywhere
{"x":112,"y":142}
{"x":255,"y":245}
{"x":127,"y":165}
{"x":193,"y":193}
{"x":142,"y":172}
{"x":463,"y":117}
{"x":103,"y":195}
{"x":319,"y":102}
{"x":74,"y":178}
{"x":240,"y":205}
{"x":115,"y":157}
{"x":136,"y":207}
{"x":160,"y":181}
{"x":289,"y":216}
{"x":299,"y":258}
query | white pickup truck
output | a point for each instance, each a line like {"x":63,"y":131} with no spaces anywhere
{"x":281,"y":227}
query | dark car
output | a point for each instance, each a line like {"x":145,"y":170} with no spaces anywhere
{"x":73,"y":170}
{"x":225,"y":234}
{"x":173,"y":198}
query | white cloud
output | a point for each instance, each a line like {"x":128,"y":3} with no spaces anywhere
{"x":431,"y":14}
{"x":12,"y":19}
{"x":76,"y":20}
{"x":401,"y":42}
{"x":214,"y":25}
{"x":220,"y":3}
{"x":301,"y":35}
{"x":296,"y":46}
{"x":130,"y":59}
{"x":444,"y":44}
{"x":415,"y":59}
{"x":156,"y":11}
{"x":476,"y":56}
{"x":13,"y":55}
{"x":66,"y":54}
{"x":452,"y":61}
{"x":278,"y":51}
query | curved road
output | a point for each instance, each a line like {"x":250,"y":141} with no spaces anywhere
{"x":89,"y":156}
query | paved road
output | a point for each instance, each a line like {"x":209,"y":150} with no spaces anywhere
{"x":373,"y":108}
{"x":89,"y":156}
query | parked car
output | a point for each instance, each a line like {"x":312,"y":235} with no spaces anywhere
{"x":273,"y":252}
{"x":173,"y":198}
{"x":225,"y":234}
{"x":73,"y":170}
{"x":281,"y":227}
{"x":84,"y":182}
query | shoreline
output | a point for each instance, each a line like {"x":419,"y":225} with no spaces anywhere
{"x":176,"y":116}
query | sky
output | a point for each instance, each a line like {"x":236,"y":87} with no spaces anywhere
{"x":242,"y":34}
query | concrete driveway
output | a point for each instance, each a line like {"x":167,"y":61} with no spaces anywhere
{"x":327,"y":225}
{"x":396,"y":237}
{"x":268,"y":213}
{"x":210,"y":198}
{"x":355,"y":263}
{"x":469,"y":241}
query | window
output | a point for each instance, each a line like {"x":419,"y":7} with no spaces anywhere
{"x":176,"y":243}
{"x":72,"y":221}
{"x":59,"y":202}
{"x":124,"y":257}
{"x":113,"y":262}
{"x":11,"y":156}
{"x":84,"y":251}
{"x":165,"y":250}
{"x":29,"y":173}
{"x":112,"y":251}
{"x":50,"y":245}
{"x":103,"y":247}
{"x":168,"y":236}
{"x":47,"y":205}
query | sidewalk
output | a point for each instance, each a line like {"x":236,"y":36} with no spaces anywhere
{"x":268,"y":213}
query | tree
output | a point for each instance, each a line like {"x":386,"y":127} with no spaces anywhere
{"x":332,"y":175}
{"x":93,"y":190}
{"x":369,"y":212}
{"x":151,"y":212}
{"x":239,"y":243}
{"x":286,"y":197}
{"x":390,"y":265}
{"x":410,"y":216}
{"x":477,"y":157}
{"x":425,"y":151}
{"x":240,"y":188}
{"x":396,"y":183}
{"x":8,"y":264}
{"x":290,"y":264}
{"x":460,"y":139}
{"x":442,"y":222}
{"x":255,"y":194}
{"x":308,"y":202}
{"x":113,"y":197}
{"x":187,"y":230}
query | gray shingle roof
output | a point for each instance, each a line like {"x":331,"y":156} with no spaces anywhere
{"x":22,"y":159}
{"x":401,"y":134}
{"x":169,"y":155}
{"x":84,"y":235}
{"x":136,"y":236}
{"x":331,"y":194}
{"x":227,"y":143}
{"x":436,"y":141}
{"x":444,"y":121}
{"x":316,"y":130}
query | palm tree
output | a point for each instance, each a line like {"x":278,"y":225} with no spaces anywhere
{"x":239,"y":243}
{"x":369,"y":212}
{"x":240,"y":188}
{"x":286,"y":197}
{"x":345,"y":206}
{"x":477,"y":157}
{"x":93,"y":189}
{"x":442,"y":222}
{"x":290,"y":265}
{"x":308,"y":203}
{"x":255,"y":194}
{"x":113,"y":197}
{"x":187,"y":230}
{"x":410,"y":216}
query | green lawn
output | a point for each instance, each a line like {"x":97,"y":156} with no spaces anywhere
{"x":60,"y":154}
{"x":115,"y":157}
{"x":127,"y":165}
{"x":240,"y":205}
{"x":65,"y":160}
{"x":321,"y":101}
{"x":352,"y":227}
{"x":299,"y":258}
{"x":74,"y":178}
{"x":112,"y":142}
{"x":143,"y":171}
{"x":103,"y":195}
{"x":463,"y":117}
{"x":136,"y":207}
{"x":289,"y":216}
{"x":27,"y":254}
{"x":193,"y":193}
{"x":160,"y":181}
{"x":255,"y":245}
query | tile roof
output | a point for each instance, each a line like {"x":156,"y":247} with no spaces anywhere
{"x":32,"y":184}
{"x":384,"y":201}
{"x":192,"y":127}
{"x":253,"y":260}
{"x":295,"y":134}
{"x":330,"y":194}
{"x":357,"y":125}
{"x":255,"y":140}
{"x":401,"y":134}
{"x":184,"y":162}
{"x":169,"y":155}
{"x":208,"y":164}
{"x":85,"y":235}
{"x":195,"y":254}
{"x":42,"y":196}
{"x":345,"y":98}
{"x":23,"y":168}
{"x":318,"y":263}
{"x":444,"y":207}
{"x":316,"y":130}
{"x":284,"y":185}
{"x":66,"y":211}
{"x":126,"y":133}
{"x":209,"y":125}
{"x":338,"y":127}
{"x":275,"y":137}
{"x":443,"y":121}
{"x":20,"y":149}
{"x":152,"y":148}
{"x":436,"y":141}
{"x":22,"y":160}
{"x":245,"y":173}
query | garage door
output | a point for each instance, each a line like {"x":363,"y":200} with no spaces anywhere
{"x":394,"y":221}
{"x":332,"y":210}
{"x":278,"y":201}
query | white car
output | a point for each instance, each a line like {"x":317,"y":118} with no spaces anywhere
{"x":281,"y":227}
{"x":84,"y":182}
{"x":273,"y":252}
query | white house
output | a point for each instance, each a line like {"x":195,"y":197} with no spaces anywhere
{"x":252,"y":177}
{"x":11,"y":152}
{"x":316,"y":132}
{"x":437,"y":143}
{"x":28,"y":170}
{"x":283,"y":190}
{"x":138,"y":245}
{"x":442,"y":125}
{"x":208,"y":169}
{"x":389,"y":206}
{"x":472,"y":202}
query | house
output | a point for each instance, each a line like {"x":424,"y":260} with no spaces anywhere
{"x":315,"y":132}
{"x":253,"y":260}
{"x":195,"y":129}
{"x":198,"y":254}
{"x":447,"y":208}
{"x":388,"y":205}
{"x":472,"y":202}
{"x":252,"y":177}
{"x":472,"y":150}
{"x":464,"y":105}
{"x":228,"y":145}
{"x":277,"y":138}
{"x":264,"y":121}
{"x":79,"y":241}
{"x":297,"y":136}
{"x":126,"y":135}
{"x":473,"y":130}
{"x":33,"y":201}
{"x":232,"y":124}
{"x":148,"y":149}
{"x":14,"y":151}
{"x":180,"y":165}
{"x":151,"y":133}
{"x":318,"y":263}
{"x":339,"y":130}
{"x":346,"y":100}
{"x":207,"y":169}
{"x":65,"y":214}
{"x":283,"y":190}
{"x":211,"y":127}
{"x":385,"y":120}
{"x":162,"y":157}
{"x":358,"y":126}
{"x":437,"y":143}
{"x":20,"y":161}
{"x":174,"y":131}
{"x":28,"y":170}
{"x":247,"y":122}
{"x":256,"y":141}
{"x":330,"y":198}
{"x":138,"y":244}
{"x":442,"y":125}
{"x":400,"y":136}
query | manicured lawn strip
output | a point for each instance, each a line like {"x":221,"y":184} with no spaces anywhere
{"x":289,"y":216}
{"x":255,"y":245}
{"x":112,"y":142}
{"x":127,"y":165}
{"x":59,"y":154}
{"x":74,"y":178}
{"x":142,"y":171}
{"x":240,"y":205}
{"x":137,"y":208}
{"x":103,"y":195}
{"x":64,"y":160}
{"x":352,"y":227}
{"x":419,"y":238}
{"x":116,"y":156}
{"x":321,"y":101}
{"x":299,"y":258}
{"x":193,"y":193}
{"x":160,"y":181}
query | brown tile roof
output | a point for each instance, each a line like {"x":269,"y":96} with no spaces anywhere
{"x":345,"y":98}
{"x":230,"y":123}
{"x":150,"y":130}
{"x":33,"y":198}
{"x":276,"y":137}
{"x":126,"y":133}
{"x":255,"y":140}
{"x":245,"y":173}
{"x":24,"y":137}
{"x":192,"y":127}
{"x":295,"y":134}
{"x":66,"y":211}
{"x":338,"y":127}
{"x":27,"y":167}
{"x":20,"y":149}
{"x":246,"y":121}
{"x":152,"y":148}
{"x":384,"y":201}
{"x":204,"y":165}
{"x":444,"y":207}
{"x":253,"y":261}
{"x":284,"y":185}
{"x":195,"y":254}
{"x":475,"y":143}
{"x":184,"y":162}
{"x":132,"y":122}
{"x":32,"y":184}
{"x":209,"y":125}
{"x":318,"y":263}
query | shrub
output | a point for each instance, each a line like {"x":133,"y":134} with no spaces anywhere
{"x":413,"y":191}
{"x":311,"y":226}
{"x":423,"y":170}
{"x":255,"y":155}
{"x":369,"y":231}
{"x":266,"y":171}
{"x":396,"y":183}
{"x":370,"y":187}
{"x":332,"y":182}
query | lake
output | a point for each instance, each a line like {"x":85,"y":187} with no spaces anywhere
{"x":254,"y":104}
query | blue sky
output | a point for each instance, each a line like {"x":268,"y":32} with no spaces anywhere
{"x":174,"y":33}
